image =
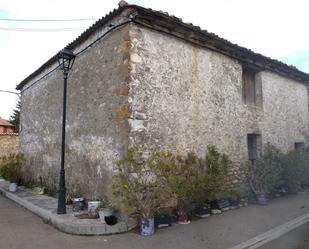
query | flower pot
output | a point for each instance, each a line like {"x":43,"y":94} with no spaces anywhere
{"x":110,"y":220}
{"x":102,"y":217}
{"x":13,"y":187}
{"x":78,"y":204}
{"x":202,"y":212}
{"x":108,"y":212}
{"x":162,"y":221}
{"x":261,"y":199}
{"x":182,"y":217}
{"x":103,"y":213}
{"x":147,"y":226}
{"x":224,"y":205}
{"x":92,"y":208}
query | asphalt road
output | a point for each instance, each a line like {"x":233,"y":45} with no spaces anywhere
{"x":20,"y":229}
{"x":296,"y":239}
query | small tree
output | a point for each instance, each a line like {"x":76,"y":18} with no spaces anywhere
{"x":10,"y":167}
{"x":182,"y":180}
{"x":265,"y":175}
{"x":15,"y":117}
{"x":294,"y":165}
{"x":217,"y":172}
{"x":139,"y":183}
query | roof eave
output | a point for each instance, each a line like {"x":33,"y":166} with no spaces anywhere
{"x":172,"y":25}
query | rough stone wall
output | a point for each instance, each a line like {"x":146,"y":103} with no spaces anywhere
{"x":97,"y":126}
{"x":285,"y":118}
{"x":138,"y":87}
{"x":185,"y":97}
{"x":8,"y":144}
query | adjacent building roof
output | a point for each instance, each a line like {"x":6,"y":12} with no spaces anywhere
{"x":4,"y":122}
{"x":171,"y":25}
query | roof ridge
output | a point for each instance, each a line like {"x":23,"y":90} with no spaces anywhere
{"x":224,"y":46}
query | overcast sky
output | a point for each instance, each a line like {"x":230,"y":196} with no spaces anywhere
{"x":275,"y":28}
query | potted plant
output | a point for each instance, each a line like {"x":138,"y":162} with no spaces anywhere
{"x":139,"y":184}
{"x":78,"y":204}
{"x":106,"y":209}
{"x":224,"y":204}
{"x":183,"y":176}
{"x":215,"y":180}
{"x":264,"y":174}
{"x":203,"y":211}
{"x":93,"y":208}
{"x":10,"y":170}
{"x":221,"y":204}
{"x":163,"y":219}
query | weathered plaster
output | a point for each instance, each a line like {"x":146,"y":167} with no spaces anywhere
{"x":191,"y":97}
{"x":285,"y":111}
{"x":139,"y":87}
{"x":97,"y":126}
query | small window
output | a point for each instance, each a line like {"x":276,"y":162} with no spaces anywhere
{"x":248,"y":86}
{"x":253,"y":143}
{"x":299,"y":146}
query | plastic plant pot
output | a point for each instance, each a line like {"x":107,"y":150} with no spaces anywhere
{"x":202,"y":212}
{"x":13,"y":187}
{"x":78,"y":204}
{"x":261,"y":199}
{"x":162,"y":221}
{"x":147,"y":226}
{"x":92,"y":208}
{"x":108,"y":212}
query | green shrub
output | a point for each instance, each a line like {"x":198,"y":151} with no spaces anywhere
{"x":216,"y":174}
{"x":183,"y":180}
{"x":294,"y":165}
{"x":305,"y":176}
{"x":10,"y":167}
{"x":139,"y":183}
{"x":264,"y":175}
{"x":149,"y":183}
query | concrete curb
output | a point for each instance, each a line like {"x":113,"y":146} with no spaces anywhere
{"x":273,"y":234}
{"x":68,"y":223}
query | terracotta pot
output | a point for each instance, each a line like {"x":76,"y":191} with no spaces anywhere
{"x":182,"y":217}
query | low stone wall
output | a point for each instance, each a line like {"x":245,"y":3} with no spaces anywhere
{"x":9,"y":143}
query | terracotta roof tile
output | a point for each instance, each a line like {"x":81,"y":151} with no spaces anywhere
{"x":4,"y":122}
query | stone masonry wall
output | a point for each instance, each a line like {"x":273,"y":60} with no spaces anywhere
{"x":97,"y":112}
{"x":139,"y":87}
{"x":285,"y":119}
{"x":8,"y":144}
{"x":185,"y":97}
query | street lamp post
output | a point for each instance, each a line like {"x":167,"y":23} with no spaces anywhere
{"x":66,"y":60}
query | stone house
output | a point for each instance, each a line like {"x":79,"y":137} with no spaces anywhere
{"x":145,"y":78}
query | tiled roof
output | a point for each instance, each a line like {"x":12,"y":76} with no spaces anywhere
{"x":163,"y":22}
{"x":4,"y":122}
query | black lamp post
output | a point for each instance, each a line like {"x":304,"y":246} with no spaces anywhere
{"x":66,"y":60}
